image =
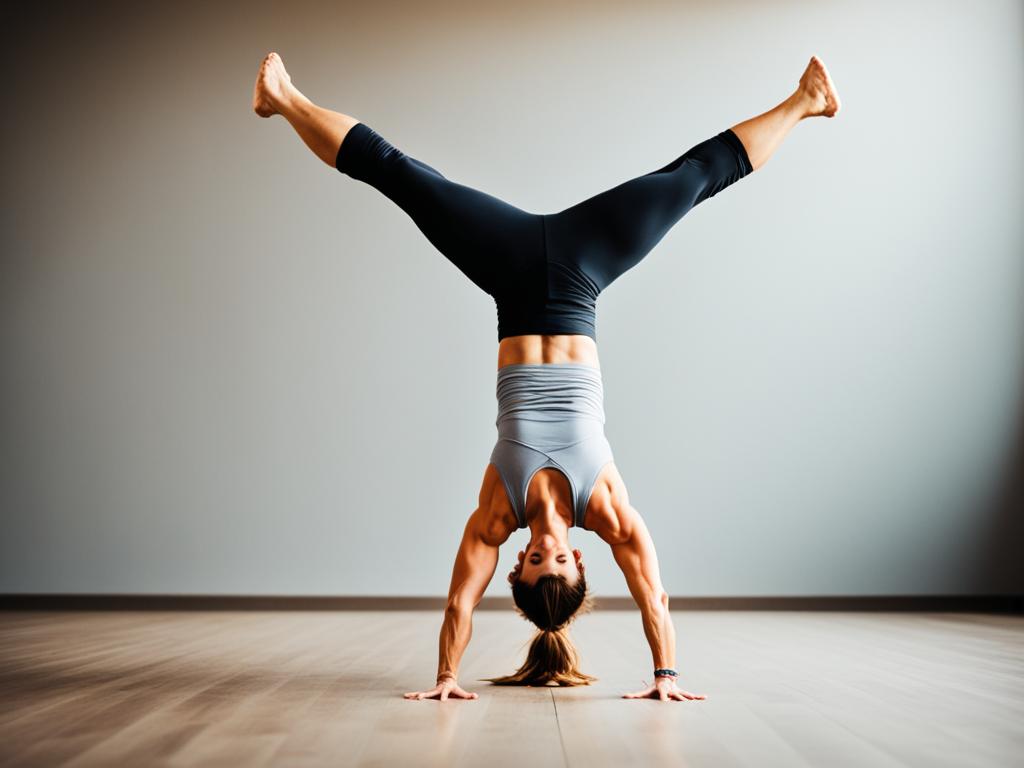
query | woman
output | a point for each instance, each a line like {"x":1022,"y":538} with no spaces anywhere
{"x":552,"y":467}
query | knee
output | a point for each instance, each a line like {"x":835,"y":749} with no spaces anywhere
{"x":716,"y":164}
{"x":366,"y":155}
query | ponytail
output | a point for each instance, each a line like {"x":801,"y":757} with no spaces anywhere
{"x":552,"y":658}
{"x":551,"y":604}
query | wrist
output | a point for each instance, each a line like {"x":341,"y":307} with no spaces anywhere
{"x":445,"y":676}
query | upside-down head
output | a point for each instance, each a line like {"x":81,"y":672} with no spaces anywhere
{"x":551,"y":601}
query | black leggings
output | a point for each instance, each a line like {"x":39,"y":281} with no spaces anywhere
{"x":569,"y":256}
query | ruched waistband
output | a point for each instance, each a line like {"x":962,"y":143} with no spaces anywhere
{"x":550,"y":392}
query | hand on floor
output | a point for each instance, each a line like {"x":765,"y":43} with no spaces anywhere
{"x":442,"y":691}
{"x":664,"y":688}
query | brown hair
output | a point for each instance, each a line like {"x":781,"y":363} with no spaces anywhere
{"x":551,"y":603}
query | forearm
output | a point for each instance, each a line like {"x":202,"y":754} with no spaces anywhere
{"x":455,"y":633}
{"x":661,"y":634}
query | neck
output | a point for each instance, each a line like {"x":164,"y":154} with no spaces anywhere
{"x":548,"y":521}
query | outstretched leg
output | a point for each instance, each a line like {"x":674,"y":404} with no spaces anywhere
{"x":609,"y":233}
{"x":489,"y":240}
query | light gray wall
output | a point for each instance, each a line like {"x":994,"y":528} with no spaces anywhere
{"x":229,"y":369}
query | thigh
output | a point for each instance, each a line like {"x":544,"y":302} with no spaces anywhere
{"x":487,"y":238}
{"x":609,"y":233}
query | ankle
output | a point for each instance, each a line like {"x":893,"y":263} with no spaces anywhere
{"x":800,"y":103}
{"x":290,"y":99}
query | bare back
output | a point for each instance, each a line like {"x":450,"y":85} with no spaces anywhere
{"x":535,"y":348}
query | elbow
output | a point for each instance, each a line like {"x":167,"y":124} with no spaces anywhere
{"x":458,"y":608}
{"x":658,"y":602}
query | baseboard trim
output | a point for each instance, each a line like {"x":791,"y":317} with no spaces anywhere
{"x":155,"y":602}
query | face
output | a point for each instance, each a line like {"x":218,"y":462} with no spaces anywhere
{"x":546,"y":556}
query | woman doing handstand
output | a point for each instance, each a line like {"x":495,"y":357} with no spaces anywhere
{"x":551,"y":467}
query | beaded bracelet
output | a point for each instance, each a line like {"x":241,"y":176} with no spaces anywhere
{"x":666,"y":672}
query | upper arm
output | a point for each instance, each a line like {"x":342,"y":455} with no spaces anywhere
{"x":475,"y":563}
{"x":635,"y":555}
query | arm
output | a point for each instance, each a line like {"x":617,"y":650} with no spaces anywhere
{"x":475,"y":563}
{"x":474,"y":566}
{"x":638,"y":560}
{"x":634,"y":552}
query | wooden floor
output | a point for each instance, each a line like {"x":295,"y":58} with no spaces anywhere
{"x":321,"y":688}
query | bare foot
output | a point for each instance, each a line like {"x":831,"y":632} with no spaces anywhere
{"x":818,"y":91}
{"x":272,"y":84}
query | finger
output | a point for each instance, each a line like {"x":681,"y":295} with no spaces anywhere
{"x":640,"y":694}
{"x":444,"y":694}
{"x":663,"y":694}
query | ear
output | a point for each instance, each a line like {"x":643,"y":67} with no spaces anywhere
{"x":517,"y":569}
{"x":579,"y":560}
